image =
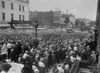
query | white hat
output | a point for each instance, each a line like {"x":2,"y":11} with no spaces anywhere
{"x":41,"y":64}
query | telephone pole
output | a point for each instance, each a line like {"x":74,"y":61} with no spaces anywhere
{"x":97,"y":33}
{"x":97,"y":29}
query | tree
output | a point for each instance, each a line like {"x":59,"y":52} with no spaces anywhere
{"x":77,"y":23}
{"x":82,"y":26}
{"x":67,"y":20}
{"x":92,"y":23}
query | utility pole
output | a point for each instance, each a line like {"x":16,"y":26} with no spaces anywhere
{"x":97,"y":29}
{"x":35,"y":41}
{"x":36,"y":26}
{"x":11,"y":24}
{"x":97,"y":33}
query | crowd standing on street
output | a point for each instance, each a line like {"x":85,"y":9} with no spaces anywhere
{"x":52,"y":51}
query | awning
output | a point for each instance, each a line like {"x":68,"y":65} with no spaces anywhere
{"x":4,"y":25}
{"x":29,"y":27}
{"x":3,"y":22}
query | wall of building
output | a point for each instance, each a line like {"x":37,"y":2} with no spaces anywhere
{"x":33,"y":15}
{"x":8,"y":11}
{"x":57,"y":17}
{"x":45,"y":18}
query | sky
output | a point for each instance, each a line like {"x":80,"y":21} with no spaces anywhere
{"x":80,"y":8}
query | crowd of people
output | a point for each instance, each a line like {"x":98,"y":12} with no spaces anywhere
{"x":52,"y":51}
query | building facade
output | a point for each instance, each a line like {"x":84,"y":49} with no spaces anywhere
{"x":57,"y":17}
{"x":47,"y":18}
{"x":14,"y":9}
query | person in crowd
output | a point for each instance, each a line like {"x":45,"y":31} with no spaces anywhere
{"x":20,"y":59}
{"x":52,"y":49}
{"x":4,"y":51}
{"x":26,"y":57}
{"x":41,"y":66}
{"x":9,"y":48}
{"x":53,"y":58}
{"x":66,"y":67}
{"x":5,"y":67}
{"x":13,"y":56}
{"x":72,"y":58}
{"x":27,"y":68}
{"x":60,"y":69}
{"x":35,"y":69}
{"x":26,"y":54}
{"x":55,"y":70}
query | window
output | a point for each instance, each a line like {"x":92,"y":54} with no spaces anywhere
{"x":3,"y":16}
{"x":23,"y":8}
{"x":3,"y":4}
{"x":19,"y":17}
{"x":23,"y":18}
{"x":19,"y":7}
{"x":12,"y":16}
{"x":12,"y":6}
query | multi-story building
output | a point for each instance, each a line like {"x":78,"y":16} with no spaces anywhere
{"x":57,"y":17}
{"x":33,"y":15}
{"x":47,"y":18}
{"x":14,"y":9}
